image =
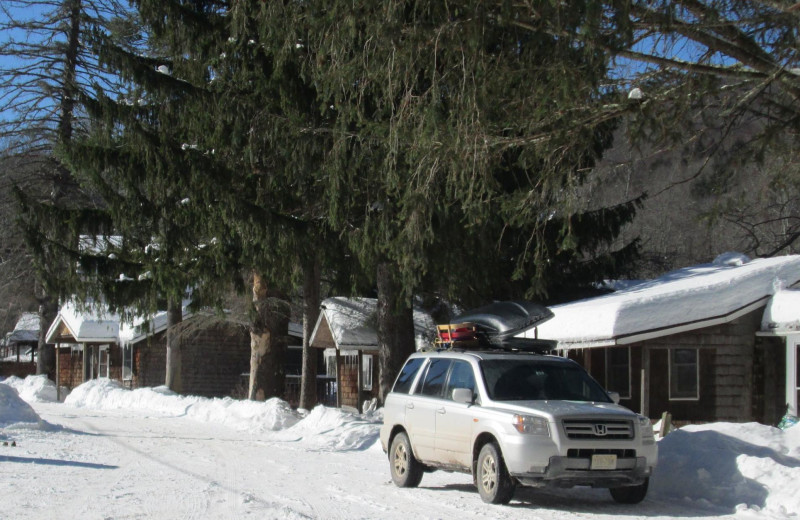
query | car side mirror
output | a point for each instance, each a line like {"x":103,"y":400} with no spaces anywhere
{"x":462,"y":395}
{"x":614,"y":397}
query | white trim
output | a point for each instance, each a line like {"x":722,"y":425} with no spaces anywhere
{"x":792,"y":384}
{"x":635,"y":338}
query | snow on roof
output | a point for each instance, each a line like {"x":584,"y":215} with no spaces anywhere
{"x":142,"y":327}
{"x":26,"y":330}
{"x":351,"y":323}
{"x":94,"y":325}
{"x":145,"y":326}
{"x":783,"y":312}
{"x":686,"y":299}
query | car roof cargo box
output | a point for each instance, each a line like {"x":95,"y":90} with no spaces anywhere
{"x":498,"y":323}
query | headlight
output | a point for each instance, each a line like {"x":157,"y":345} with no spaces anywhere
{"x":531,"y":425}
{"x":646,"y":426}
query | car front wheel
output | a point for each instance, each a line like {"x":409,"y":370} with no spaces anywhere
{"x":494,"y":483}
{"x":630,"y":494}
{"x":406,"y":470}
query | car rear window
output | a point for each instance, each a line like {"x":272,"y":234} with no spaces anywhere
{"x":406,"y":378}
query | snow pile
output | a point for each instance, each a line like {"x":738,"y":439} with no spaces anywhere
{"x":332,"y":429}
{"x":106,"y":394}
{"x":735,"y":466}
{"x":324,"y":429}
{"x":781,"y":313}
{"x":16,"y":413}
{"x":34,"y":389}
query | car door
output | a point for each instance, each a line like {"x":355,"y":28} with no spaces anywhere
{"x":454,"y":421}
{"x":421,"y":409}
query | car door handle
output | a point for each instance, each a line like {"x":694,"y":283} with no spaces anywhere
{"x":410,"y":406}
{"x":441,"y":410}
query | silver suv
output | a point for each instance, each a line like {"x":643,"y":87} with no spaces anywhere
{"x":513,"y":418}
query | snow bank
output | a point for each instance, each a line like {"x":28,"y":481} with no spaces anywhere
{"x":735,"y":466}
{"x":324,"y":429}
{"x":271,"y":415}
{"x":332,"y":429}
{"x":35,"y":389}
{"x":16,"y":413}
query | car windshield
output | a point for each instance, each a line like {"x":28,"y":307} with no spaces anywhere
{"x":530,"y":380}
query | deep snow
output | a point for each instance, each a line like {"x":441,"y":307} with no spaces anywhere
{"x":107,"y":452}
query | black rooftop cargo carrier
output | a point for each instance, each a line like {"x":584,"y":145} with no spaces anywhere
{"x":498,"y":323}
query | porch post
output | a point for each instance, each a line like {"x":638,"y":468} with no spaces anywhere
{"x":58,"y":390}
{"x":338,"y":380}
{"x":359,"y":378}
{"x":792,"y":341}
{"x":645,"y":382}
{"x":86,"y":358}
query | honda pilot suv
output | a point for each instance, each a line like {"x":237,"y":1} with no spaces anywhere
{"x":513,"y":418}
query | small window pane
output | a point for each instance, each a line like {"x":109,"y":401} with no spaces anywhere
{"x":406,"y":377}
{"x":434,"y":378}
{"x":683,"y":382}
{"x":618,"y":371}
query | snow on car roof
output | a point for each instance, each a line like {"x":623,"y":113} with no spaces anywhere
{"x":686,"y":299}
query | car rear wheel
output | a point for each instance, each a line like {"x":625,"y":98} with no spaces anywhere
{"x":494,"y":483}
{"x":630,"y":494}
{"x":406,"y":470}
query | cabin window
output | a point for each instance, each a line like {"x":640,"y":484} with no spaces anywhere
{"x":366,"y":371}
{"x":104,"y":361}
{"x":618,"y":371}
{"x":684,"y":374}
{"x":127,"y":362}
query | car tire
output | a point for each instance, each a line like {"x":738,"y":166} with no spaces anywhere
{"x":495,"y":485}
{"x":406,"y":470}
{"x":630,"y":494}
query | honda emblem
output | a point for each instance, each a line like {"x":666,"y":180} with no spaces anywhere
{"x":600,"y":430}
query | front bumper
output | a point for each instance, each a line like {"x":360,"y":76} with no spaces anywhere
{"x":572,"y":471}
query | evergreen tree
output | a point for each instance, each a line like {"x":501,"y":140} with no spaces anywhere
{"x":44,"y":67}
{"x":465,"y":127}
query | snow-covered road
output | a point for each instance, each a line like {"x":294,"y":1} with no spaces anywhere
{"x":113,"y":464}
{"x":110,"y":453}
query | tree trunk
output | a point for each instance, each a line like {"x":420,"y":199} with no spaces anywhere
{"x":268,"y":333}
{"x":173,"y":379}
{"x":395,"y":329}
{"x":308,"y":382}
{"x":46,"y":354}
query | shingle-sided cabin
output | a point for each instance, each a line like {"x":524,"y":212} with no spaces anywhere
{"x":215,"y":358}
{"x":347,"y":331}
{"x":87,"y":344}
{"x":696,"y":342}
{"x":18,"y":351}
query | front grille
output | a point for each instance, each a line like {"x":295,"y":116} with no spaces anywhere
{"x":598,"y":429}
{"x":587,"y":453}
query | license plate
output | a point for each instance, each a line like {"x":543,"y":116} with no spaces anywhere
{"x":604,"y":462}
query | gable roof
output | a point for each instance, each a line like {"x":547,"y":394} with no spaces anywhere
{"x":26,"y":329}
{"x":686,"y":299}
{"x":93,"y":325}
{"x":351,"y":324}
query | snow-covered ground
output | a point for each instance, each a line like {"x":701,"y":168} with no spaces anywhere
{"x":110,"y":453}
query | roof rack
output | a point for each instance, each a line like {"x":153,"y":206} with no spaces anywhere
{"x":471,"y":336}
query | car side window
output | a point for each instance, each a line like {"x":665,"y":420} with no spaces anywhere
{"x":433,"y":384}
{"x":404,"y":381}
{"x":461,"y":376}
